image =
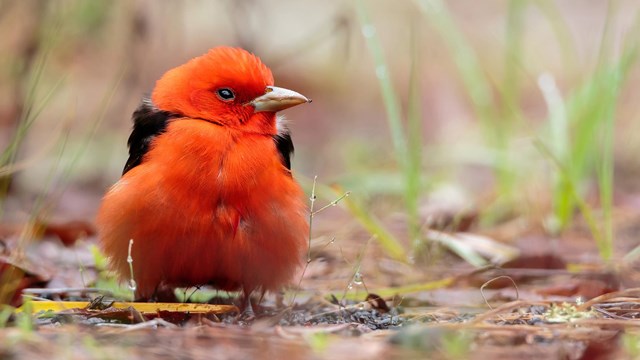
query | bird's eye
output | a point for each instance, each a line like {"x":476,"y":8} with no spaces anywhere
{"x":225,"y":94}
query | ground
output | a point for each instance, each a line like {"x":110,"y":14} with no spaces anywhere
{"x":531,"y":306}
{"x":489,"y":149}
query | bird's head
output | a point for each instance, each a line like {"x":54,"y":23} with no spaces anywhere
{"x":229,"y":86}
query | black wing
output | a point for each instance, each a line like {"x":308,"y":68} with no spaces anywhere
{"x":148,"y":122}
{"x":284,"y":146}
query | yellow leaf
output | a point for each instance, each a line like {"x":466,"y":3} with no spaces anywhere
{"x":145,"y":308}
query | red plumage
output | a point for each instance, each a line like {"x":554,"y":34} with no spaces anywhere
{"x":206,"y":195}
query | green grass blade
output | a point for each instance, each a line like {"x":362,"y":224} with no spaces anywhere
{"x":407,"y":152}
{"x":389,"y":243}
{"x":563,"y":203}
{"x":465,"y":58}
{"x":510,"y":90}
{"x":496,"y":130}
{"x":389,"y":95}
{"x":414,"y":164}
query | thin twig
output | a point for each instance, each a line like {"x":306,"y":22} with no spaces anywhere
{"x":356,"y":269}
{"x":312,"y":213}
{"x":146,"y":325}
{"x":494,"y":279}
{"x":333,"y":203}
{"x":132,"y":282}
{"x":507,"y":307}
{"x":612,"y":295}
{"x":37,"y":291}
{"x":312,"y":201}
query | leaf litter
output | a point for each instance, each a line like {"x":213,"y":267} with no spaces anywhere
{"x":547,"y":310}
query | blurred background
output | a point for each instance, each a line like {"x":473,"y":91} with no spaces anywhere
{"x":473,"y":113}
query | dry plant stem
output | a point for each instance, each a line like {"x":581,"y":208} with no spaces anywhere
{"x":606,"y":297}
{"x":507,"y":307}
{"x":312,"y":201}
{"x":609,"y":314}
{"x":40,"y":207}
{"x":132,"y":282}
{"x":43,"y":150}
{"x":151,"y":324}
{"x":35,"y":298}
{"x":356,"y":269}
{"x":312,"y":213}
{"x":333,"y":203}
{"x":436,"y":284}
{"x":333,"y":240}
{"x":340,"y":308}
{"x":81,"y":268}
{"x":494,"y":279}
{"x":65,"y":290}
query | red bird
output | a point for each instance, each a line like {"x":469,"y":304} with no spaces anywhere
{"x":207,"y":193}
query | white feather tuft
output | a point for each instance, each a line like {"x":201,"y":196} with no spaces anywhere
{"x":281,"y":124}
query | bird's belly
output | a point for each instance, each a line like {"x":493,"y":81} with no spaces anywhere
{"x":247,"y":232}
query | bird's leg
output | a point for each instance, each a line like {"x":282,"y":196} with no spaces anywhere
{"x":146,"y":298}
{"x":245,"y":305}
{"x":163,"y":293}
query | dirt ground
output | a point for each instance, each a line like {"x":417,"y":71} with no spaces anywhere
{"x":490,"y":151}
{"x":530,"y":307}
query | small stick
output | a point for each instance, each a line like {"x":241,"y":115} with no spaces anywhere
{"x":132,"y":282}
{"x":65,"y":290}
{"x":312,"y":213}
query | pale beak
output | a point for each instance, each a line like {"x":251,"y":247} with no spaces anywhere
{"x":276,"y":99}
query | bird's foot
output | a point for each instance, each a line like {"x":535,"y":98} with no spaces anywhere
{"x":247,"y":308}
{"x":248,"y":314}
